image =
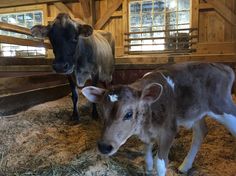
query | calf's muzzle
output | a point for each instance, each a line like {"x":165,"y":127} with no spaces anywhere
{"x":104,"y":148}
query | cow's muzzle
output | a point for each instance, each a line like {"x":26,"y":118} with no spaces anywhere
{"x":63,"y":68}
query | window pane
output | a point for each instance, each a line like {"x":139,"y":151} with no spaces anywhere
{"x":183,"y":4}
{"x":135,"y":7}
{"x":158,"y":19}
{"x":29,"y":17}
{"x":12,"y":19}
{"x":159,"y":5}
{"x":135,"y":21}
{"x":21,"y":19}
{"x":183,"y":17}
{"x":147,"y":6}
{"x":171,"y":5}
{"x":171,"y":18}
{"x":147,"y":19}
{"x":38,"y":17}
{"x":4,"y":19}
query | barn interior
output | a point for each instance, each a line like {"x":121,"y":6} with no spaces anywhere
{"x":36,"y":134}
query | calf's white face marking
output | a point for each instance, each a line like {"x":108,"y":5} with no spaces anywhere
{"x":113,"y":98}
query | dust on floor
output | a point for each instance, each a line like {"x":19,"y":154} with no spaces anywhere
{"x":43,"y":141}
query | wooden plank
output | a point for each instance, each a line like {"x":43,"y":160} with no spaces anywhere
{"x":14,"y":84}
{"x":154,"y":38}
{"x":125,"y":22}
{"x":102,"y":21}
{"x":169,"y":30}
{"x":23,"y":42}
{"x":26,"y":68}
{"x":86,"y":8}
{"x":117,"y":14}
{"x":223,"y":10}
{"x":14,"y":28}
{"x":205,"y":6}
{"x":14,"y":103}
{"x":25,"y":61}
{"x":216,"y":48}
{"x":14,"y":3}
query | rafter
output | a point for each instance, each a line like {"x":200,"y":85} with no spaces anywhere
{"x":86,"y":8}
{"x":64,"y":9}
{"x":107,"y":15}
{"x":14,"y":3}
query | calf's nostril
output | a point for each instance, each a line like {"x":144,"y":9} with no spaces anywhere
{"x":104,"y":148}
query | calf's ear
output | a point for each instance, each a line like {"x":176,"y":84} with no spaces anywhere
{"x":85,"y":30}
{"x":152,"y":93}
{"x":93,"y":94}
{"x":40,"y":31}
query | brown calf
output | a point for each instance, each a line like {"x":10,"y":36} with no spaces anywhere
{"x":156,"y":105}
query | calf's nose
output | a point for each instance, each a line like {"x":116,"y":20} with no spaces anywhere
{"x":61,"y":67}
{"x":104,"y":148}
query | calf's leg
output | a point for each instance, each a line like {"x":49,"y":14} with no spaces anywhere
{"x":75,"y":114}
{"x":225,"y":114}
{"x":165,"y":142}
{"x":199,"y":132}
{"x":149,"y":159}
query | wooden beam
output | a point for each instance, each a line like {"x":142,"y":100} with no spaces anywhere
{"x":224,"y":11}
{"x":14,"y":3}
{"x":107,"y":15}
{"x":86,"y":8}
{"x":64,"y":9}
{"x":117,"y":14}
{"x":23,"y":42}
{"x":205,"y":6}
{"x":14,"y":28}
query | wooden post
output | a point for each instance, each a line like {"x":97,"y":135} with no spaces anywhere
{"x":125,"y":17}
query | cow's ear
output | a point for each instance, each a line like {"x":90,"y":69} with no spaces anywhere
{"x":152,"y":93}
{"x":40,"y":31}
{"x":93,"y":94}
{"x":85,"y":30}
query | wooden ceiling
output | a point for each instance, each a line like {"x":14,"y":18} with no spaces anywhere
{"x":14,"y":3}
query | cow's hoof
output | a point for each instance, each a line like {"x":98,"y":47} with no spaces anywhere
{"x":75,"y":118}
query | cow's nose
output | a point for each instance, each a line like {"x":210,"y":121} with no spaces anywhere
{"x":104,"y":148}
{"x":61,"y":67}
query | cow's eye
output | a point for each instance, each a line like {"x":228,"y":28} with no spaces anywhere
{"x":128,"y":116}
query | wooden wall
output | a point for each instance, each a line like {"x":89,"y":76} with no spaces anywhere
{"x":215,"y":20}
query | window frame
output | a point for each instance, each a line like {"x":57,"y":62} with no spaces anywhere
{"x":193,"y":22}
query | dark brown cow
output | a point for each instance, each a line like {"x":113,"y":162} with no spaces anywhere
{"x":80,"y":53}
{"x":155,"y":106}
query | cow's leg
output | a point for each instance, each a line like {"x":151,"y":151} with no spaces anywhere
{"x":199,"y":132}
{"x":95,"y":79}
{"x":75,"y":115}
{"x":149,"y":159}
{"x":165,"y":141}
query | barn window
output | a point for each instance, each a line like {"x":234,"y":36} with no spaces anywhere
{"x":24,"y":19}
{"x":159,"y":25}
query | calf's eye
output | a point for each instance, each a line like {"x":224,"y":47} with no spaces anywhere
{"x":128,"y":116}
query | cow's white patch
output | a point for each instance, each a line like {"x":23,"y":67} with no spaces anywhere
{"x":228,"y":120}
{"x":161,"y":167}
{"x":113,"y":97}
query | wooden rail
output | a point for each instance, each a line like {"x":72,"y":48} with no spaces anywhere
{"x":174,"y":41}
{"x":21,"y":41}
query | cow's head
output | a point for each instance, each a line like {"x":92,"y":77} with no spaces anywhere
{"x":124,"y":109}
{"x":63,"y":34}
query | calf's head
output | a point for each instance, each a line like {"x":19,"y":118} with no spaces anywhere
{"x":123,"y":109}
{"x":63,"y":34}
